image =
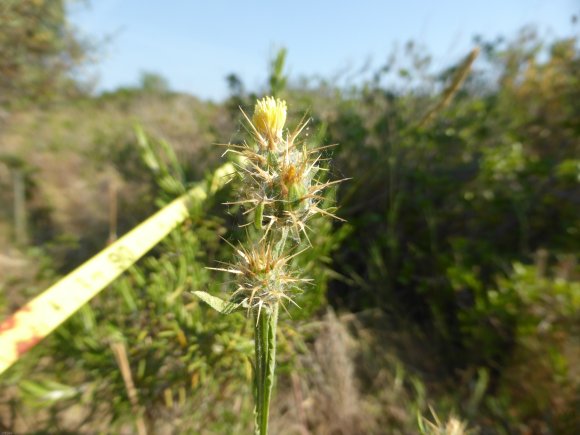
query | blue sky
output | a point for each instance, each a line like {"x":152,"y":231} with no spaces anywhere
{"x":196,"y":44}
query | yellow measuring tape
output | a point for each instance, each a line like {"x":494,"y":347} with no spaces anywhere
{"x":43,"y":314}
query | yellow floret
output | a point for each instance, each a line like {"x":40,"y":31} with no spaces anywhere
{"x":269,"y":118}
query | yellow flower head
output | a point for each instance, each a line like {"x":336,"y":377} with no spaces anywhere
{"x":269,"y":118}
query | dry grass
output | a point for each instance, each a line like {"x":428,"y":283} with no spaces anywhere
{"x":329,"y":393}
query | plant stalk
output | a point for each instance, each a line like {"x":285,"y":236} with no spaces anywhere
{"x":265,"y":344}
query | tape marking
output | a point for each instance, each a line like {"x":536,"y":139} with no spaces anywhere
{"x":39,"y":317}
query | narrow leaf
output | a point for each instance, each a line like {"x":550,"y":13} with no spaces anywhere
{"x":216,"y":303}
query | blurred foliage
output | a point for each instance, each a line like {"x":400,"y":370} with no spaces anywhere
{"x":83,"y":159}
{"x":154,"y":83}
{"x":440,"y":214}
{"x":40,"y":52}
{"x":278,"y":80}
{"x":455,"y":277}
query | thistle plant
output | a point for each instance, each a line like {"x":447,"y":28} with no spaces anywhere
{"x":281,"y":189}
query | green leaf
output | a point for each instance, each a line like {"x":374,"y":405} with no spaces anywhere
{"x":43,"y":392}
{"x":217,"y":304}
{"x":258,"y":215}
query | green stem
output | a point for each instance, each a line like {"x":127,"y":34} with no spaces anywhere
{"x":265,"y":343}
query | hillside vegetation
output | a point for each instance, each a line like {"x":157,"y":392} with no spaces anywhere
{"x":452,"y":284}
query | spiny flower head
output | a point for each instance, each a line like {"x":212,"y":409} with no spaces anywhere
{"x":262,"y":276}
{"x":282,"y":185}
{"x":269,"y":119}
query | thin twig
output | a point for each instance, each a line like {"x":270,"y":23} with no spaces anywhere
{"x":452,"y":89}
{"x":120,"y":353}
